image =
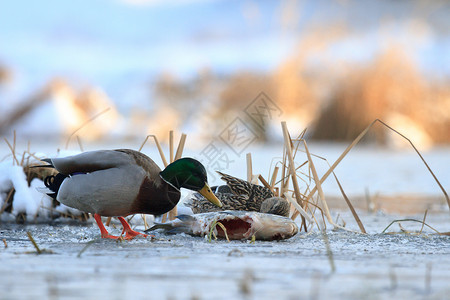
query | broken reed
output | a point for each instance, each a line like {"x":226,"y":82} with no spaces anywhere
{"x":303,"y":202}
{"x":173,"y":213}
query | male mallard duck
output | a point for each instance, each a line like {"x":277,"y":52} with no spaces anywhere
{"x":239,"y":194}
{"x":117,"y":183}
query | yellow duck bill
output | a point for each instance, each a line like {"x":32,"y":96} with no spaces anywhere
{"x":209,"y":195}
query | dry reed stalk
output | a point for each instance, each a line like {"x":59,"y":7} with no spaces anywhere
{"x":312,"y":167}
{"x":171,"y":215}
{"x":22,"y":160}
{"x":298,"y":207}
{"x":249,"y":167}
{"x":283,"y":184}
{"x":180,"y":147}
{"x":313,"y":214}
{"x":286,"y":183}
{"x":274,"y":178}
{"x":356,"y":141}
{"x":158,"y":145}
{"x":317,"y":181}
{"x":331,"y":169}
{"x":276,"y":191}
{"x":411,"y":220}
{"x":80,"y":144}
{"x":13,"y":149}
{"x":5,"y":204}
{"x":39,"y":251}
{"x":423,"y":221}
{"x":264,"y":182}
{"x":164,"y":218}
{"x":352,"y":209}
{"x":88,"y":244}
{"x":145,"y":221}
{"x":421,"y":157}
{"x":320,"y":190}
{"x":288,"y":144}
{"x":26,"y":107}
{"x":86,"y":123}
{"x":171,"y":146}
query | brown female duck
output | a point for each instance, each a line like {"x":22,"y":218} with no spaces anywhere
{"x":240,"y":195}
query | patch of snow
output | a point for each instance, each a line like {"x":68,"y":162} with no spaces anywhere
{"x":27,"y":199}
{"x":24,"y":200}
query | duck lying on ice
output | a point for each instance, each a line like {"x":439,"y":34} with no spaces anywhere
{"x":239,"y":225}
{"x":240,"y":194}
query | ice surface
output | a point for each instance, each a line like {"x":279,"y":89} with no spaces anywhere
{"x":372,"y":266}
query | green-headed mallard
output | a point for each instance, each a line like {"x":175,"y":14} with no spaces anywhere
{"x":122,"y":182}
{"x":242,"y":195}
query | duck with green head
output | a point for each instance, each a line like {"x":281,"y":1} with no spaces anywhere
{"x":117,"y":183}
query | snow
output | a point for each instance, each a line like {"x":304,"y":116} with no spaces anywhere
{"x":26,"y":198}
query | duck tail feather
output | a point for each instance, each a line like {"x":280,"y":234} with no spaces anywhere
{"x":181,"y":229}
{"x":47,"y":160}
{"x":156,"y":226}
{"x":169,"y":228}
{"x":44,"y":190}
{"x":53,"y":183}
{"x":186,"y":218}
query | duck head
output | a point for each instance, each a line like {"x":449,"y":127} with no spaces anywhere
{"x":190,"y":174}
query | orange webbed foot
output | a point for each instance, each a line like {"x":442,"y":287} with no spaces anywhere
{"x":130,"y":233}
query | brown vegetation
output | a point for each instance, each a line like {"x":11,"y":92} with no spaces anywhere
{"x":336,"y":99}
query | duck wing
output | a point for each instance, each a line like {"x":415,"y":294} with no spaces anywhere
{"x":247,"y":191}
{"x":237,"y":186}
{"x":91,"y":161}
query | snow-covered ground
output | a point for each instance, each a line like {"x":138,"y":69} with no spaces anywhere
{"x":372,"y":266}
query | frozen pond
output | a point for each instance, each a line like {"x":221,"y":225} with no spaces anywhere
{"x":372,"y":266}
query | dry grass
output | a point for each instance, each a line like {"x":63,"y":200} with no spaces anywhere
{"x":335,"y":99}
{"x":173,"y":213}
{"x":28,"y":160}
{"x":310,"y":197}
{"x":390,"y":88}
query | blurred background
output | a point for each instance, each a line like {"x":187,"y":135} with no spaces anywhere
{"x":128,"y":68}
